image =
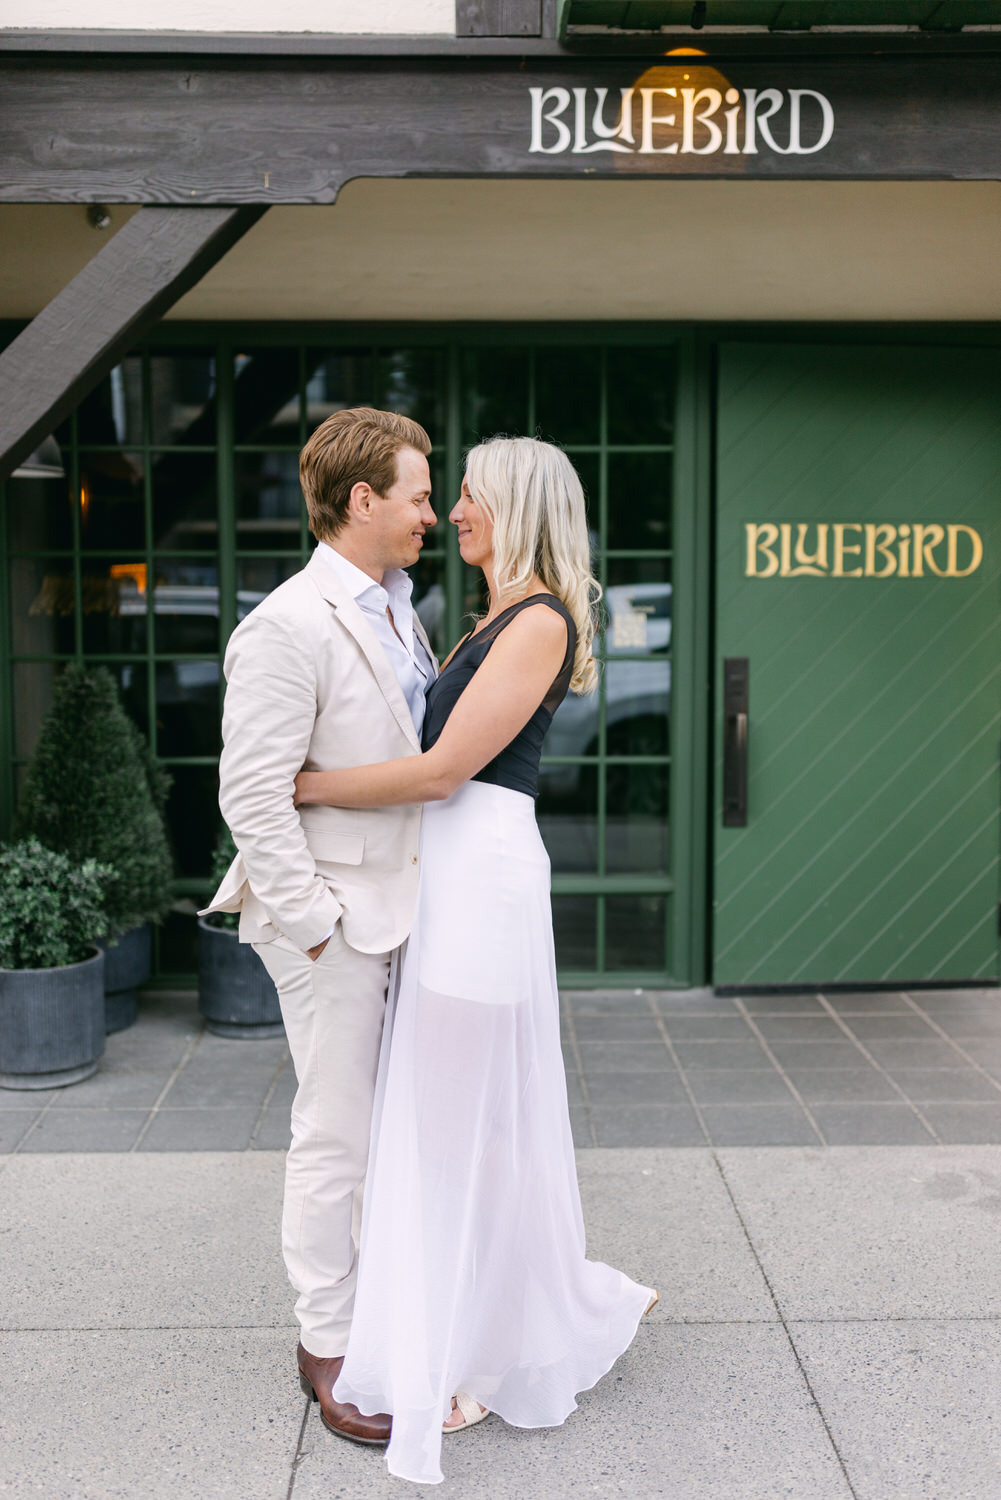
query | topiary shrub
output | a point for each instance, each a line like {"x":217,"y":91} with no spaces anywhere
{"x":93,"y":791}
{"x":223,"y":856}
{"x":52,"y":911}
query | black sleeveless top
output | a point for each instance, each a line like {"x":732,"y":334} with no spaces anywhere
{"x":517,"y":765}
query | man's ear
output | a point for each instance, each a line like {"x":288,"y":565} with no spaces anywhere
{"x":360,"y":501}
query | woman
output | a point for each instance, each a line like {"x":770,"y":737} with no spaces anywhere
{"x":474,"y":1294}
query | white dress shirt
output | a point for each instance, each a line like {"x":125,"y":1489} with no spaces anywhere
{"x":402,"y":645}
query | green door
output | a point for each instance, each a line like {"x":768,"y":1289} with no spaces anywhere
{"x":858,"y":499}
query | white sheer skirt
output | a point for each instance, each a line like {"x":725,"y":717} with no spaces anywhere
{"x":472,"y":1272}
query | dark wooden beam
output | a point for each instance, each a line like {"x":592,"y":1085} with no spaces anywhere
{"x":84,"y":331}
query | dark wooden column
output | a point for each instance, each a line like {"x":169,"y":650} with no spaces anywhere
{"x":84,"y":331}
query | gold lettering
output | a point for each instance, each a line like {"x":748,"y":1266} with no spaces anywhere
{"x":761,"y":536}
{"x":926,"y":539}
{"x":951,"y":571}
{"x":817,"y":564}
{"x":904,"y":532}
{"x":841,"y":547}
{"x":874,"y":545}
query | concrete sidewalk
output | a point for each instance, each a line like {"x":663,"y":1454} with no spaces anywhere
{"x":828,"y":1328}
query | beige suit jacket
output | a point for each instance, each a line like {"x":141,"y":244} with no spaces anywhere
{"x":308,"y":686}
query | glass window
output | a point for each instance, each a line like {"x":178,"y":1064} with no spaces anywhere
{"x":637,"y":694}
{"x":413,"y":384}
{"x":113,"y":411}
{"x":635,"y":932}
{"x":185,"y":503}
{"x":187,"y":708}
{"x":336,"y":379}
{"x":266,"y":397}
{"x":186,"y":607}
{"x":256,"y":577}
{"x":42,"y":606}
{"x":39,"y":514}
{"x":113,"y":598}
{"x":182,"y":404}
{"x":639,"y":500}
{"x":636,"y":811}
{"x":641,"y":385}
{"x":269,"y":503}
{"x":193,"y":818}
{"x":112,"y":502}
{"x":495,"y":393}
{"x":567,"y":812}
{"x":568,"y":395}
{"x":575,"y":928}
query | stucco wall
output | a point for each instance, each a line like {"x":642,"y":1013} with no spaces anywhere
{"x":435,"y":251}
{"x":335,"y":17}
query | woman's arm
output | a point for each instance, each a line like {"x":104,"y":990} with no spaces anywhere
{"x":504,"y":693}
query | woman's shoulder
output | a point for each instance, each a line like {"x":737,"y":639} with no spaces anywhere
{"x":539,"y":625}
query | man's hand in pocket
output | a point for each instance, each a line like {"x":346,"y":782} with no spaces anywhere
{"x":314,"y":953}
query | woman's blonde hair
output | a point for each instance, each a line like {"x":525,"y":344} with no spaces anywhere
{"x":533,"y":495}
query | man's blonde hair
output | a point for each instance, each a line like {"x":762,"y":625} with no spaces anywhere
{"x":351,"y":446}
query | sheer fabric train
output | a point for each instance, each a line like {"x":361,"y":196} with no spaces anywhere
{"x":473,"y":1273}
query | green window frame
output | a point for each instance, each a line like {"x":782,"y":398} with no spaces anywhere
{"x":668,"y":900}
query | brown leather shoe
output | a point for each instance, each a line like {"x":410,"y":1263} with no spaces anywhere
{"x":317,"y":1376}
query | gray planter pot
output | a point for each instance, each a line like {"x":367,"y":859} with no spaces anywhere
{"x":127,"y":965}
{"x":51,"y":1024}
{"x":236,"y":994}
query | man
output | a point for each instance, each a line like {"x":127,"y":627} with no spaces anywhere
{"x":330,"y":670}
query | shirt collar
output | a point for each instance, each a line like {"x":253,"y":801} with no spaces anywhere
{"x":395,"y":589}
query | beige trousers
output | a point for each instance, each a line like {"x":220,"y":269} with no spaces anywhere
{"x":333,"y":1009}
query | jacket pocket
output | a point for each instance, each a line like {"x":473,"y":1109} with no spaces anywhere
{"x":334,"y":848}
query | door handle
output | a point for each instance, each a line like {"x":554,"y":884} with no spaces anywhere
{"x":736,"y":682}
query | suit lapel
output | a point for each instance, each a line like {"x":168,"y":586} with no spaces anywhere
{"x":354,"y":622}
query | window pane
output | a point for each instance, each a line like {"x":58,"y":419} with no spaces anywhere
{"x":112,"y":412}
{"x":574,"y":730}
{"x":568,"y":395}
{"x":641,"y":395}
{"x":112,"y":502}
{"x":186,"y":615}
{"x":266,"y":396}
{"x":269,"y":503}
{"x":495,"y":386}
{"x":193,"y":818}
{"x":182,"y":398}
{"x":588,"y":466}
{"x":41,"y":605}
{"x":635,"y":932}
{"x":636,"y":819}
{"x":639,"y":500}
{"x":256,"y":577}
{"x":637,"y":694}
{"x":638,"y":614}
{"x":428,"y":599}
{"x":413,"y":382}
{"x":184,"y":501}
{"x":114,"y":600}
{"x":567,"y":812}
{"x":187,"y":708}
{"x":40,"y":513}
{"x":575,"y":927}
{"x":336,"y":379}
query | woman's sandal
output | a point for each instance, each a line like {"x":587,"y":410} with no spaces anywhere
{"x":652,"y":1304}
{"x":472,"y":1412}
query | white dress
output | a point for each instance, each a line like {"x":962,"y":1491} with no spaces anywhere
{"x":472,"y":1271}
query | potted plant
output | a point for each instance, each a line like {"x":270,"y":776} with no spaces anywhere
{"x":93,"y":791}
{"x":236,"y":994}
{"x":51,"y":969}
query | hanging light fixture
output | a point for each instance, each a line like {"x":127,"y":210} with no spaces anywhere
{"x":45,"y":463}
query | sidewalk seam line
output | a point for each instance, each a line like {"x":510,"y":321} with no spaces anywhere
{"x":185,"y":1058}
{"x":785,"y":1326}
